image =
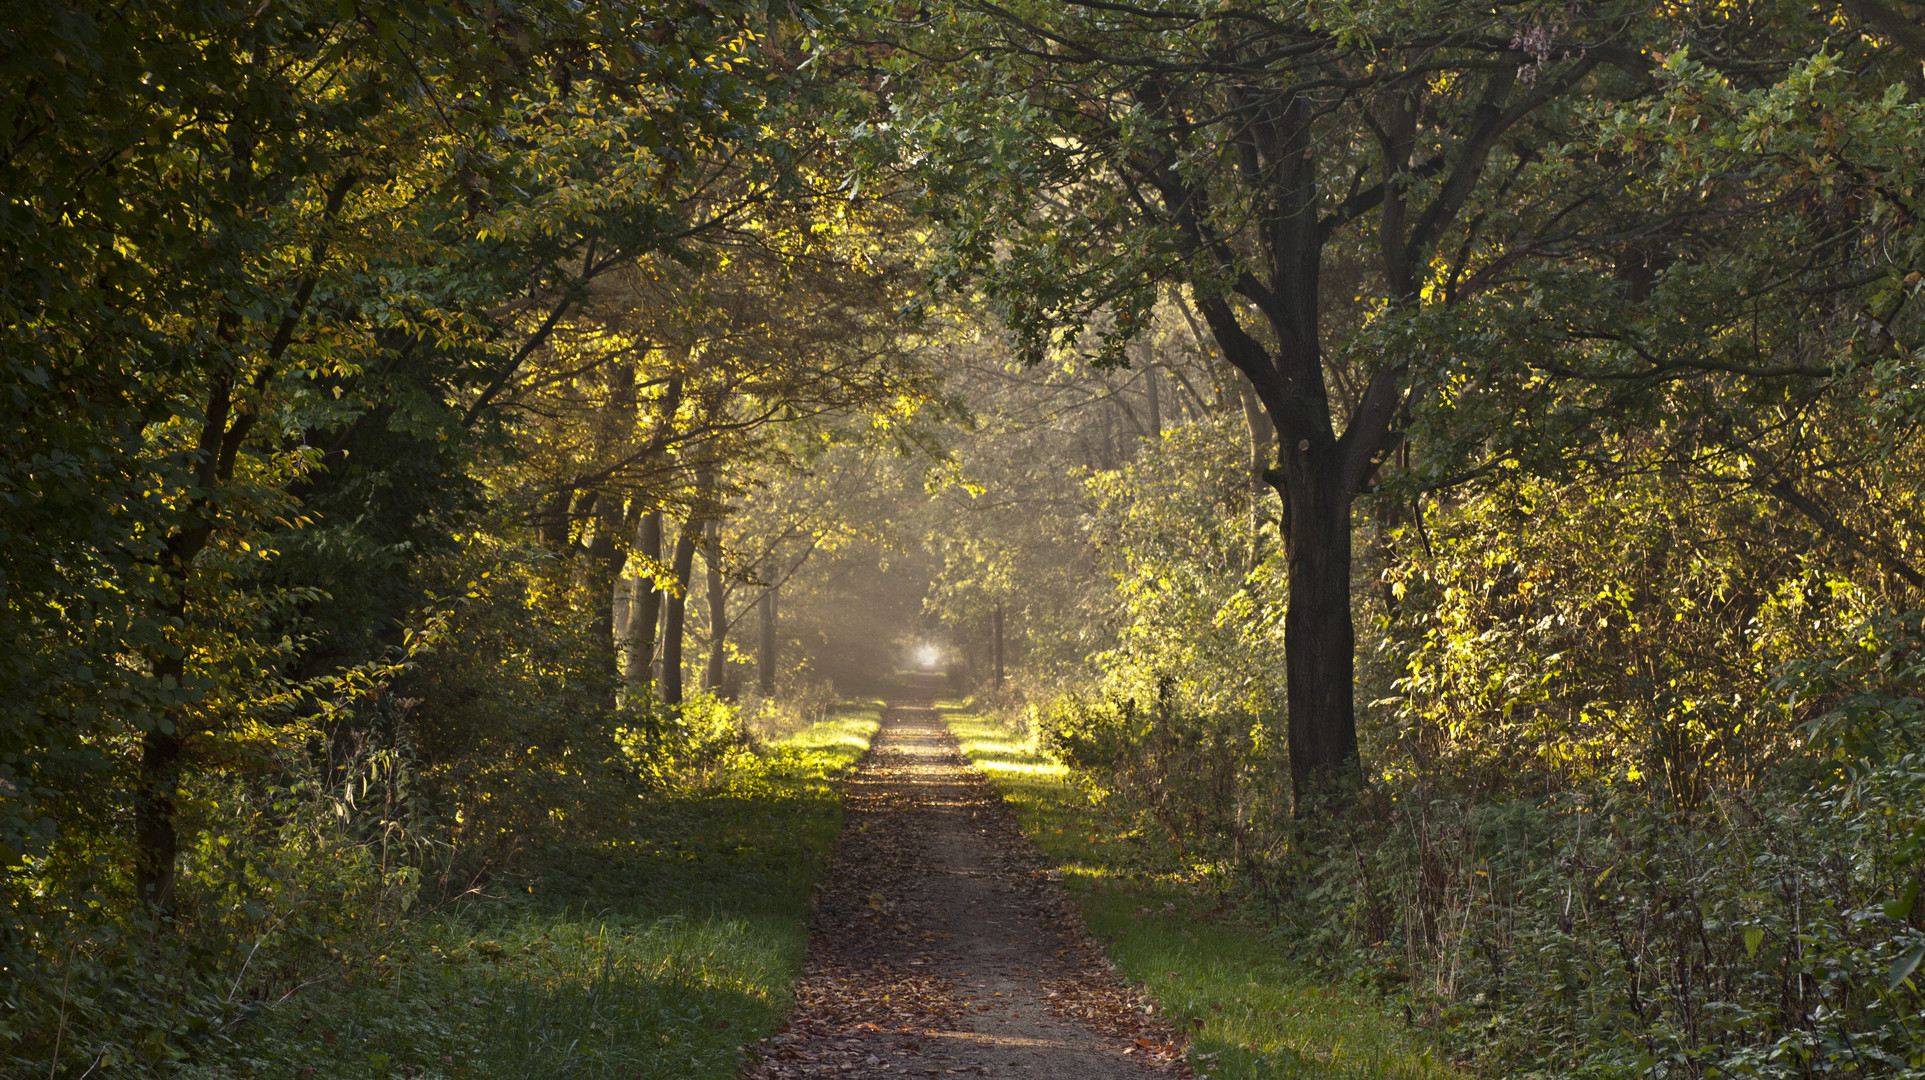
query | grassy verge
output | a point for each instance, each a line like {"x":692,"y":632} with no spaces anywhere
{"x":1251,"y":1011}
{"x":657,"y":956}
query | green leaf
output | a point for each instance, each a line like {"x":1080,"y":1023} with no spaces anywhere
{"x":1902,"y":906}
{"x":1903,"y":967}
{"x":1753,"y":937}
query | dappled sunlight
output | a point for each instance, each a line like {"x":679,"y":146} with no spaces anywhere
{"x":996,"y":748}
{"x":1031,"y":768}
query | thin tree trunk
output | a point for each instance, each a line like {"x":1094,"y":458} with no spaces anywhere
{"x":996,"y":644}
{"x":644,"y":609}
{"x":1263,"y":436}
{"x":1263,"y":455}
{"x":718,"y":611}
{"x":1156,"y":403}
{"x":156,"y":839}
{"x":616,"y":522}
{"x":675,"y":616}
{"x":1110,"y":455}
{"x":606,"y":557}
{"x":765,"y":652}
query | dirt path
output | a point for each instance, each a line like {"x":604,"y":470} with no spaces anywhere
{"x":940,"y":944}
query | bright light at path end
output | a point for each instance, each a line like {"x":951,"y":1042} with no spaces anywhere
{"x":927,"y":655}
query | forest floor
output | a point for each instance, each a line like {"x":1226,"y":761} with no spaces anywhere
{"x":942,"y":944}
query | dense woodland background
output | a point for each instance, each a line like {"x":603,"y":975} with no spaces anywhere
{"x":1451,"y":470}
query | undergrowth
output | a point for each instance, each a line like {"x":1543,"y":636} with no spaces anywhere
{"x":659,"y":954}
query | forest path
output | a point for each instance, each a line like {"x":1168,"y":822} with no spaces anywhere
{"x":940,"y":944}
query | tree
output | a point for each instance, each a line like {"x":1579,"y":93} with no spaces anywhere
{"x":248,"y":241}
{"x":1083,"y":154}
{"x":782,"y":309}
{"x":1742,"y":312}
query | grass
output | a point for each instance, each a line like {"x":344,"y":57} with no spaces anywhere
{"x":659,"y":956}
{"x":1251,"y":1010}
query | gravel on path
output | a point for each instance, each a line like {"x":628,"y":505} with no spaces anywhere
{"x":942,"y":946}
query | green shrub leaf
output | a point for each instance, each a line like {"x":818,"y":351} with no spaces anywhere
{"x":1902,"y":907}
{"x":1903,"y":967}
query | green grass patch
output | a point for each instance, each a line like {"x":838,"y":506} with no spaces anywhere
{"x":656,"y":956}
{"x":1250,"y":1010}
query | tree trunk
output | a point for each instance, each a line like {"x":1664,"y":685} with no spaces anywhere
{"x":156,"y":839}
{"x":552,"y":520}
{"x":1156,"y":403}
{"x":765,"y":652}
{"x":615,"y":521}
{"x":636,"y":640}
{"x":1263,"y":455}
{"x":718,"y":611}
{"x":1319,"y":641}
{"x":606,"y":557}
{"x":996,"y":643}
{"x":1109,"y":431}
{"x":675,"y":616}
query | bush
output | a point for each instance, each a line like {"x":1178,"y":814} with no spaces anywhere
{"x":1598,"y":929}
{"x":355,"y":802}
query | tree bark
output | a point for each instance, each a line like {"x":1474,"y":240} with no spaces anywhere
{"x":1263,"y":455}
{"x":156,"y":839}
{"x":1319,"y":638}
{"x":675,"y":616}
{"x":551,"y":521}
{"x":765,"y":652}
{"x":616,"y":519}
{"x":1889,"y":22}
{"x":1156,"y":403}
{"x":718,"y":611}
{"x":606,"y":557}
{"x":996,"y":643}
{"x":636,"y":636}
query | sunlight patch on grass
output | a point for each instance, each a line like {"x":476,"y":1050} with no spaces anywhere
{"x":829,"y":747}
{"x":990,"y":764}
{"x":1250,"y":1012}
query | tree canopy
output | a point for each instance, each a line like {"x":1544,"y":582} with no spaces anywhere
{"x":1411,"y":457}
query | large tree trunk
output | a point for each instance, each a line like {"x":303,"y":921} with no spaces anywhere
{"x":675,"y":615}
{"x":718,"y":611}
{"x":1319,"y":640}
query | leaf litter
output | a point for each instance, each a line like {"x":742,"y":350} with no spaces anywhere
{"x":940,"y":945}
